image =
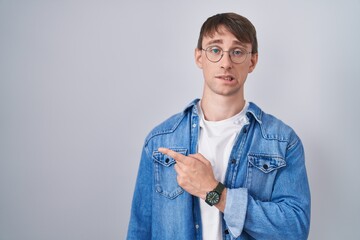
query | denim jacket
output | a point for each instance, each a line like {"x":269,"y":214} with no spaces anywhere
{"x":268,"y":195}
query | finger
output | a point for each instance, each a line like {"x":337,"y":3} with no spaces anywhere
{"x":181,"y":165}
{"x":177,"y":156}
{"x":178,"y":169}
{"x":201,"y":158}
{"x":182,"y":178}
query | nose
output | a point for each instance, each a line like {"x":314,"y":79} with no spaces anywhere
{"x":225,"y":61}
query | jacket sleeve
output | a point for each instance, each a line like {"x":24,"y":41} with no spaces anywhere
{"x":285,"y":216}
{"x":140,"y":216}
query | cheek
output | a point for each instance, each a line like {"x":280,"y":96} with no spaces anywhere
{"x":208,"y":72}
{"x":242,"y":73}
{"x":245,"y":69}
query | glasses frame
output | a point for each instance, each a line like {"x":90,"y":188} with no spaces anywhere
{"x":222,"y":54}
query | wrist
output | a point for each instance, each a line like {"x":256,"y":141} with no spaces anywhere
{"x":213,"y":197}
{"x":222,"y":203}
{"x":208,"y":189}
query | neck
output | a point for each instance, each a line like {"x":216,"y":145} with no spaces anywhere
{"x":218,"y":108}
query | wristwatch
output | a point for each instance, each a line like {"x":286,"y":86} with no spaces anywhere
{"x":213,"y":197}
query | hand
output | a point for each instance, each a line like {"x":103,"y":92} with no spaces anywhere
{"x":194,"y":172}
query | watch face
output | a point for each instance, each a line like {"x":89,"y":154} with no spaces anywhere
{"x":213,"y":198}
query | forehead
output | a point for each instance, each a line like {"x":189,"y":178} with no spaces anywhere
{"x":221,"y":36}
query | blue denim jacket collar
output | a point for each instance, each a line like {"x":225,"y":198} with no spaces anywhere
{"x":253,"y":109}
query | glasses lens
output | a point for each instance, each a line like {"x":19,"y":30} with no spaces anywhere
{"x":238,"y":55}
{"x":214,"y":54}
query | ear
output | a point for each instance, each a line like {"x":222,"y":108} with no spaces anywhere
{"x":198,"y":58}
{"x":253,"y":62}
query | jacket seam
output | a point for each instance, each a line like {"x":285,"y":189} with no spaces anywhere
{"x":167,"y":131}
{"x":293,"y":144}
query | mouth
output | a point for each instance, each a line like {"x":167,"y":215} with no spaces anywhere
{"x":226,"y":77}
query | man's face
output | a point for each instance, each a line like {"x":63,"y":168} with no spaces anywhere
{"x":224,"y":77}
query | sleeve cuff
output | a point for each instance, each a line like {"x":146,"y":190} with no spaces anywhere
{"x":235,"y":210}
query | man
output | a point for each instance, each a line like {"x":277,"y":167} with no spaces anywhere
{"x":222,"y":168}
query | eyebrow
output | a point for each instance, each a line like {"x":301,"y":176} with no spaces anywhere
{"x":221,"y":41}
{"x":215,"y":41}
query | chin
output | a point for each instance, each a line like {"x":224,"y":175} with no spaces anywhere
{"x":228,"y":92}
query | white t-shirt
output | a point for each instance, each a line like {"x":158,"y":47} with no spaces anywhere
{"x":215,"y":144}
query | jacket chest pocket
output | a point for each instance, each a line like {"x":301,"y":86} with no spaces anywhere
{"x":262,"y":171}
{"x":165,"y":174}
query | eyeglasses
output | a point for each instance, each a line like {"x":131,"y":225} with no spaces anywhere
{"x":237,"y":55}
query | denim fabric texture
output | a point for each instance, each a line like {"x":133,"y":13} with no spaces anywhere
{"x":268,"y":195}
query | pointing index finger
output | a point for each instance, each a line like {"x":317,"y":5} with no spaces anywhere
{"x":177,"y":156}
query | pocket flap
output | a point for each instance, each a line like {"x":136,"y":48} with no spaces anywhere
{"x":266,"y":163}
{"x":166,"y":160}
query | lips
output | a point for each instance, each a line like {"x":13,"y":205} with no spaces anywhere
{"x":227,"y":77}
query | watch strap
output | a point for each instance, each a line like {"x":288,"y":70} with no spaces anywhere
{"x":219,"y":188}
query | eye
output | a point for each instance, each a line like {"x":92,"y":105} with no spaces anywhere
{"x":214,"y":50}
{"x":237,"y":52}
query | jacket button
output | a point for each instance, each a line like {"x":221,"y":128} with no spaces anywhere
{"x":226,"y":231}
{"x":265,"y":166}
{"x":245,"y":130}
{"x":194,"y":125}
{"x":167,"y":160}
{"x":158,"y":189}
{"x":233,"y":161}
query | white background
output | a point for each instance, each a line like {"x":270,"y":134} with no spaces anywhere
{"x":83,"y":82}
